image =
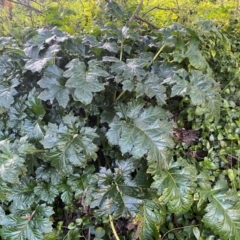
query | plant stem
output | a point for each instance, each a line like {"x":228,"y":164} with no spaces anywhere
{"x":114,"y":96}
{"x":120,"y":94}
{"x":157,"y":54}
{"x":121,"y":50}
{"x":136,"y":11}
{"x":113,"y":228}
{"x":146,"y":21}
{"x":196,"y":225}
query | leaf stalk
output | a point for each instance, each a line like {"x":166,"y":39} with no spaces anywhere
{"x":157,"y":54}
{"x":113,"y":227}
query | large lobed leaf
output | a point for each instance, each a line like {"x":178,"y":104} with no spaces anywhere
{"x":80,"y":186}
{"x":32,"y":126}
{"x":117,"y":193}
{"x":152,"y":217}
{"x":54,"y":84}
{"x":142,"y":131}
{"x":84,"y":80}
{"x":203,"y":90}
{"x":25,"y":223}
{"x":152,"y":87}
{"x":176,"y":186}
{"x":12,"y":159}
{"x":7,"y":92}
{"x":223,"y":211}
{"x":69,"y":143}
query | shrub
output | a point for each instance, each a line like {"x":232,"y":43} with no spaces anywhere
{"x":116,"y":127}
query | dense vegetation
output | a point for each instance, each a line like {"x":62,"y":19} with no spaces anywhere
{"x":124,"y":130}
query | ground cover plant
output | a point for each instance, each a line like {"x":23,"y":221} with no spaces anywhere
{"x":124,"y":133}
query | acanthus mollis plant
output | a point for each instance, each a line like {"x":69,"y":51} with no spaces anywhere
{"x":87,"y":137}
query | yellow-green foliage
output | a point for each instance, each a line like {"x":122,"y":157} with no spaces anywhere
{"x":162,"y":12}
{"x":75,"y":16}
{"x":72,"y":16}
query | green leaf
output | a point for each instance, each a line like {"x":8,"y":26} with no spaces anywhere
{"x":70,"y":144}
{"x":223,"y":212}
{"x":205,"y":92}
{"x":23,"y":192}
{"x":55,"y":86}
{"x":176,"y":186}
{"x":84,"y":81}
{"x":111,"y":47}
{"x":196,"y":233}
{"x":11,"y":164}
{"x":6,"y":66}
{"x":47,"y":192}
{"x":117,"y":193}
{"x":83,"y":184}
{"x":48,"y":174}
{"x":7,"y":93}
{"x":130,"y":70}
{"x":196,"y":59}
{"x":27,"y":224}
{"x":152,"y":217}
{"x":141,"y":132}
{"x":33,"y":129}
{"x":181,"y":85}
{"x":100,"y":232}
{"x":38,"y":62}
{"x":35,"y":106}
{"x":36,"y":65}
{"x":32,"y":125}
{"x":73,"y":234}
{"x":152,"y":87}
{"x":16,"y":112}
{"x":67,"y":193}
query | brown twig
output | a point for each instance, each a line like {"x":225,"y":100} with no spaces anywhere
{"x":174,"y":10}
{"x":146,"y":21}
{"x":26,"y":6}
{"x":136,"y":11}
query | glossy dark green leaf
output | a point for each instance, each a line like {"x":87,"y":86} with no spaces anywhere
{"x":133,"y":68}
{"x":84,"y":81}
{"x":55,"y":89}
{"x":36,"y":65}
{"x":48,"y":174}
{"x":176,"y":186}
{"x":206,"y":93}
{"x":83,"y":184}
{"x":27,"y":224}
{"x":11,"y":164}
{"x":16,"y":112}
{"x":23,"y":192}
{"x":7,"y":93}
{"x":66,"y":193}
{"x":223,"y":211}
{"x":111,"y":47}
{"x":70,"y":144}
{"x":118,"y":194}
{"x":141,"y":132}
{"x":152,"y":87}
{"x":46,"y":192}
{"x":152,"y":217}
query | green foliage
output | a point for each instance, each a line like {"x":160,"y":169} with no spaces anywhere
{"x":26,"y":224}
{"x":150,"y":219}
{"x":176,"y":186}
{"x":223,"y":209}
{"x":118,"y":194}
{"x":92,"y":135}
{"x":141,"y":132}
